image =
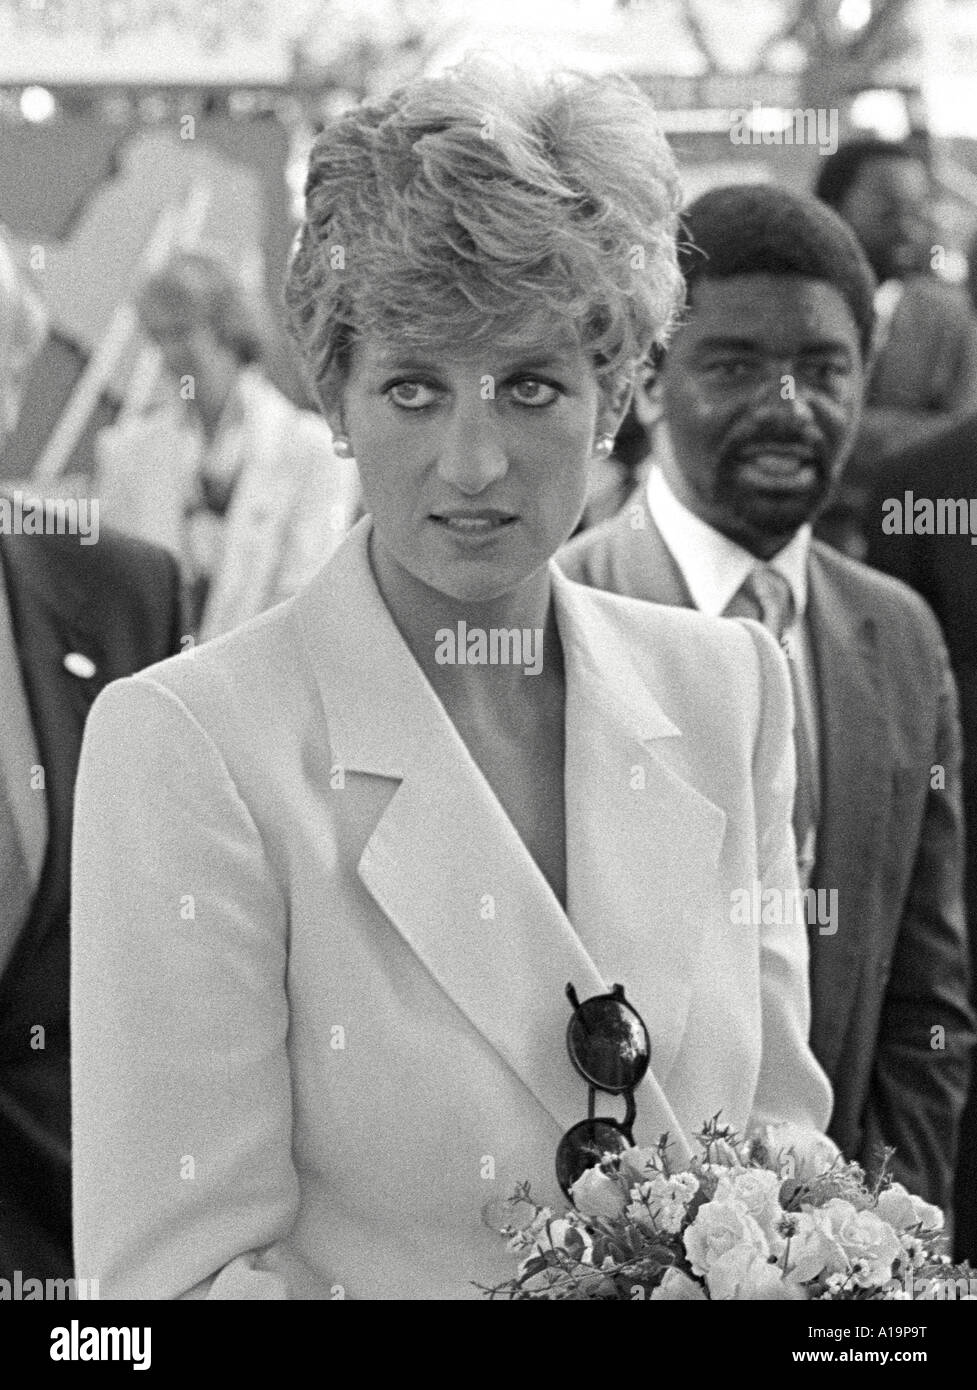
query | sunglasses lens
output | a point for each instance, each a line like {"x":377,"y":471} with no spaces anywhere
{"x":583,"y":1147}
{"x":609,"y":1044}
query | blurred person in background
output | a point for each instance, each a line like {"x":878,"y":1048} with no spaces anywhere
{"x":761,"y":390}
{"x":73,"y":616}
{"x":924,"y":371}
{"x":238,"y":482}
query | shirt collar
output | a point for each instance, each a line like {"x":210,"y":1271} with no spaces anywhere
{"x":713,"y":566}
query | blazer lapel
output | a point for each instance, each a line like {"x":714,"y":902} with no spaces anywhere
{"x":854,"y":766}
{"x":444,"y":863}
{"x":642,"y":843}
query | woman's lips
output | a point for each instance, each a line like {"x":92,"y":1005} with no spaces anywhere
{"x":473,"y":523}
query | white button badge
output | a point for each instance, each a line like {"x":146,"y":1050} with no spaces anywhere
{"x":80,"y":665}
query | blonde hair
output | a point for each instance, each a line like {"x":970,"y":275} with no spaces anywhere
{"x":484,"y":206}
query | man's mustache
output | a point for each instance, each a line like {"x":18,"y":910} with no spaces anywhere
{"x":773,"y":435}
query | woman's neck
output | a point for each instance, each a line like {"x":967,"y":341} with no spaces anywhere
{"x":475,"y":652}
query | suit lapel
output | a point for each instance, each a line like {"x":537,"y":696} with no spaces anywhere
{"x":445,"y":864}
{"x":642,"y":843}
{"x":854,"y":768}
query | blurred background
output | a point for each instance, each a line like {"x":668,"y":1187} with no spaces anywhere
{"x":131,"y":128}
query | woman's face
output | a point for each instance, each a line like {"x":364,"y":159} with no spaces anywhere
{"x":475,"y":469}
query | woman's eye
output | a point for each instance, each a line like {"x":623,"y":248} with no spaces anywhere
{"x":532,"y":392}
{"x":410,"y":395}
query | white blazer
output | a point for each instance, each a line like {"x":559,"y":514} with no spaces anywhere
{"x":294,"y":501}
{"x":318,"y":981}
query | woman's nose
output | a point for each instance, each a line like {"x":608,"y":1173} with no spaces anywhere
{"x":473,"y":454}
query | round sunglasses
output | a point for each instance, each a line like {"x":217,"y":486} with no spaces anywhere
{"x":610,"y":1049}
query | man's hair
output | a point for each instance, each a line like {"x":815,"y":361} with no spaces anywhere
{"x":23,"y":317}
{"x":760,"y":229}
{"x":201,"y":289}
{"x":483,"y":206}
{"x":839,"y":171}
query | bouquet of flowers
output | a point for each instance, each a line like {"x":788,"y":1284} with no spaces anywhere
{"x":780,"y":1215}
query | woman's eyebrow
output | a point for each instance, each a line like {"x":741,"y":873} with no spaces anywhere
{"x":391,"y":361}
{"x":395,"y":362}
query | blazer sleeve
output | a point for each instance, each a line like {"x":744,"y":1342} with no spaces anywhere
{"x":184,"y":1184}
{"x":791,"y":1085}
{"x":923,"y":1057}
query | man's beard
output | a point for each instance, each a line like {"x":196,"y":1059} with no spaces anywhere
{"x":765,"y":490}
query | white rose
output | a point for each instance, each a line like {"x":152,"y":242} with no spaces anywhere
{"x":596,"y":1194}
{"x":677,"y":1287}
{"x":814,"y":1250}
{"x":800,"y":1152}
{"x":870,"y":1243}
{"x":759,"y":1192}
{"x":743,"y":1273}
{"x":717,"y":1228}
{"x":903,"y":1211}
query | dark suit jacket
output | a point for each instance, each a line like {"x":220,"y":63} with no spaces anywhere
{"x":888,"y":841}
{"x":117,"y":602}
{"x":944,"y":570}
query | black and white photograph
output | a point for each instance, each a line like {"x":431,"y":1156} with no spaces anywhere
{"x":488,"y":666}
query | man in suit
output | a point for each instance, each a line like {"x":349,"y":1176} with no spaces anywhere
{"x":924,"y":370}
{"x":941,"y":565}
{"x":76,"y":611}
{"x":761,"y":392}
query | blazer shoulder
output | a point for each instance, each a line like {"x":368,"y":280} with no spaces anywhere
{"x":128,"y":582}
{"x":244,"y":676}
{"x":880,"y":596}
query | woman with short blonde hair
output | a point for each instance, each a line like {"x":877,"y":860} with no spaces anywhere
{"x":335,"y":873}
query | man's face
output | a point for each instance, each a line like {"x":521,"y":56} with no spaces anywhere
{"x":888,"y":208}
{"x":762,"y":391}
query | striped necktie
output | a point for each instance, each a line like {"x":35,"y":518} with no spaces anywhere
{"x":766,"y":595}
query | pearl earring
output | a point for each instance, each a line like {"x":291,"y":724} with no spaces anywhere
{"x":604,"y":445}
{"x":340,"y":446}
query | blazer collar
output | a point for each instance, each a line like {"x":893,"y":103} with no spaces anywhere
{"x":448,"y":869}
